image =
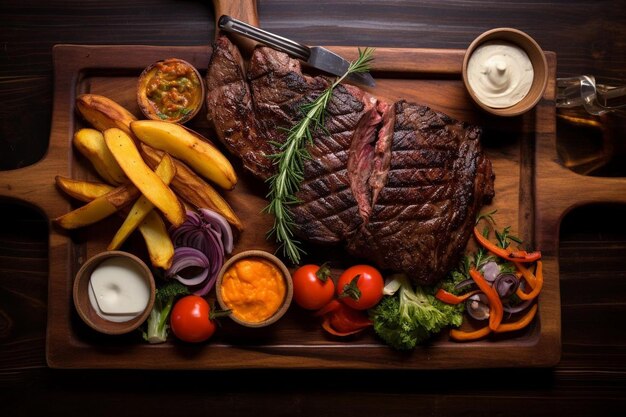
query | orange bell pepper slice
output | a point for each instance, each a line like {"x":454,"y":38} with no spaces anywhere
{"x":449,"y":298}
{"x":519,"y":324}
{"x":462,"y":336}
{"x":513,"y":256}
{"x":496,"y":312}
{"x":538,"y":282}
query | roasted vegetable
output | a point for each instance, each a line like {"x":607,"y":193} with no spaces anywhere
{"x":82,"y":190}
{"x":158,"y":241}
{"x":103,"y":113}
{"x":142,"y":207}
{"x":190,"y":147}
{"x":193,"y":189}
{"x":151,"y":186}
{"x":90,"y":143}
{"x":99,"y":208}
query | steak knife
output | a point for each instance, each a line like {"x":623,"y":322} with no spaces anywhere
{"x":315,"y":56}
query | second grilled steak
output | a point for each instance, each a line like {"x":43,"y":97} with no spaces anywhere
{"x":437,"y":181}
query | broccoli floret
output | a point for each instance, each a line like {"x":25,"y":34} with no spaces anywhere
{"x":411,"y":316}
{"x":157,"y":327}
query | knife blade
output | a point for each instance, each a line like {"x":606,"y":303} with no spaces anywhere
{"x":314,"y":56}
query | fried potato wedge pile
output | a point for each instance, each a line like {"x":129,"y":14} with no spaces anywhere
{"x":151,"y":171}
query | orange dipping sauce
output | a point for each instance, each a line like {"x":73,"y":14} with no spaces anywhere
{"x":253,"y":289}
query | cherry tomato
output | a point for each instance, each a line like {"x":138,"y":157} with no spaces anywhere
{"x":191,"y":319}
{"x":313,"y":287}
{"x":360,"y":287}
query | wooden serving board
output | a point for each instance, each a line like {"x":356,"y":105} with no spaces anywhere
{"x":533,"y":191}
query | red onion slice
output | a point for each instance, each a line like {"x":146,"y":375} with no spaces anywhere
{"x":506,"y":285}
{"x":203,"y":240}
{"x":490,"y":270}
{"x":516,"y":309}
{"x":185,"y":258}
{"x":477,"y":306}
{"x":465,"y":283}
{"x":220,"y":222}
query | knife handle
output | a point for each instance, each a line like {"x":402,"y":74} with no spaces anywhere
{"x":285,"y":45}
{"x":245,"y":10}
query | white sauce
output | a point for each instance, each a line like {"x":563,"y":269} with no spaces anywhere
{"x":500,"y":74}
{"x":118,"y":291}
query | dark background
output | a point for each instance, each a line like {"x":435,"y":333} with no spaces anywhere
{"x":589,"y":37}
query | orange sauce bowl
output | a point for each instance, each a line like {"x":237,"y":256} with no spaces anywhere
{"x":171,"y":90}
{"x":256,"y":287}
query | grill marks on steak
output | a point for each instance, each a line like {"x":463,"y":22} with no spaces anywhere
{"x":397,"y":184}
{"x":334,"y":195}
{"x":437,"y":181}
{"x":330,"y":208}
{"x":279,"y":89}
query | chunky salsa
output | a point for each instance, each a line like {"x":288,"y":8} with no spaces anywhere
{"x":173,"y":90}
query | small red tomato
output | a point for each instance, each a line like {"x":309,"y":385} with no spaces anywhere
{"x":360,"y":287}
{"x":313,"y":287}
{"x":191,"y":319}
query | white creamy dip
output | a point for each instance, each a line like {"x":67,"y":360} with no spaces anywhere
{"x":500,"y":74}
{"x":118,"y":290}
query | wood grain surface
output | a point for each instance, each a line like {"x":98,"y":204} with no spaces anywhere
{"x":588,"y":37}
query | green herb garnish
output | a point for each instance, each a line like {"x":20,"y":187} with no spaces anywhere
{"x":290,"y":161}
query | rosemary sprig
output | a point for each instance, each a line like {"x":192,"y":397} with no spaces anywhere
{"x":290,"y":161}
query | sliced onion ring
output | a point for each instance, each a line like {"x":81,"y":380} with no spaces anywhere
{"x":214,"y":218}
{"x":477,"y":306}
{"x":203,"y":240}
{"x":506,"y":285}
{"x":516,"y":309}
{"x":184,"y":258}
{"x":464,"y":283}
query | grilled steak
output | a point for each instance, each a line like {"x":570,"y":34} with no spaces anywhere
{"x":331,"y":198}
{"x":437,"y":181}
{"x":397,"y":184}
{"x":229,"y":109}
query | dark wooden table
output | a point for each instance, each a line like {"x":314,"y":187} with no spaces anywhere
{"x":588,"y":37}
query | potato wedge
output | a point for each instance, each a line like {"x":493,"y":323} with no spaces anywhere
{"x":90,"y":143}
{"x":142,"y":207}
{"x":158,"y":241}
{"x":192,"y":188}
{"x":99,"y":208}
{"x":82,"y":190}
{"x":127,"y":156}
{"x":190,"y":147}
{"x":103,"y":113}
{"x":155,"y":234}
